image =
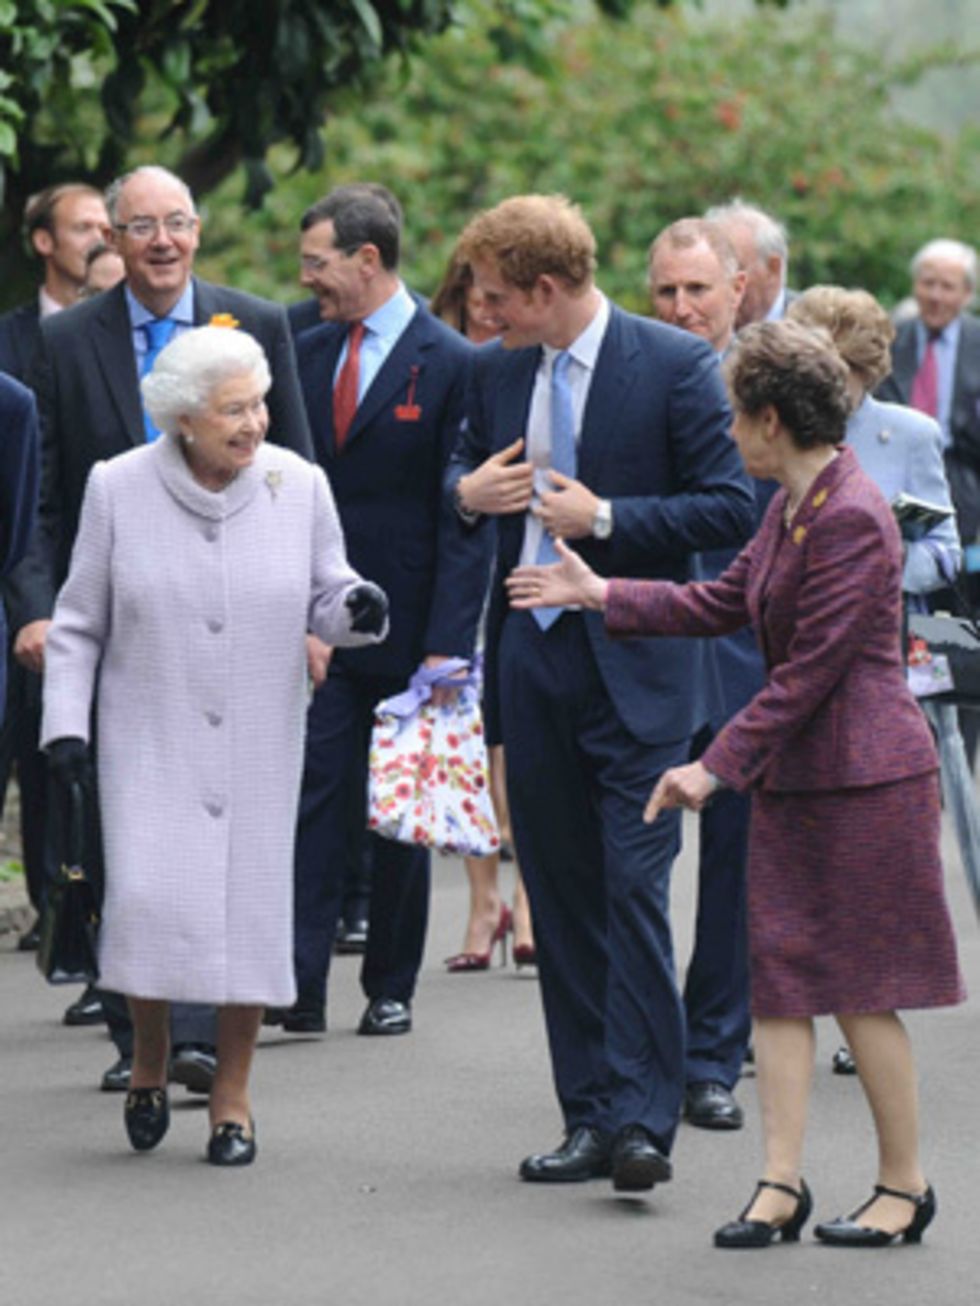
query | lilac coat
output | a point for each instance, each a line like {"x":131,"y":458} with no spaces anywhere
{"x":188,"y":610}
{"x":835,"y":712}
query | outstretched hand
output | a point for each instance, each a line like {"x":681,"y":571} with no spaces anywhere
{"x":570,"y":582}
{"x":687,"y":786}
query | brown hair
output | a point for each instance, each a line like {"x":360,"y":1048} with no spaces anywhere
{"x":39,"y":210}
{"x":860,"y":328}
{"x":449,"y":302}
{"x":797,"y":371}
{"x":530,"y":236}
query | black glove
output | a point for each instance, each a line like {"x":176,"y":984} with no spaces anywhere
{"x":367,"y":604}
{"x":70,"y":761}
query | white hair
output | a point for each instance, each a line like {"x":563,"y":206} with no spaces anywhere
{"x":115,"y":189}
{"x":770,"y":234}
{"x":949,"y":251}
{"x":189,"y":369}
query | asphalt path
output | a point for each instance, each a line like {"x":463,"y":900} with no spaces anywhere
{"x":386,"y":1173}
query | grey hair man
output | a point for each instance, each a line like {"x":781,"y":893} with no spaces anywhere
{"x":762,"y":245}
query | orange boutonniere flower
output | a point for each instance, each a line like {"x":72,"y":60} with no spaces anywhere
{"x":224,"y":320}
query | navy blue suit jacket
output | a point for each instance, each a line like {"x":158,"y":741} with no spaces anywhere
{"x":20,"y":334}
{"x":387,"y":483}
{"x":88,"y":396}
{"x":20,"y":461}
{"x":655,"y":441}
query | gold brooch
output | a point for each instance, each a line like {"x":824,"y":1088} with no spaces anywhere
{"x":273,"y":480}
{"x":820,"y":498}
{"x":223,"y":320}
{"x":798,"y":534}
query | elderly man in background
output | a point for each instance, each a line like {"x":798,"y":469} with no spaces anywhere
{"x":696,"y":284}
{"x":62,"y":223}
{"x":936,"y":368}
{"x":87,"y":374}
{"x":763,"y":254}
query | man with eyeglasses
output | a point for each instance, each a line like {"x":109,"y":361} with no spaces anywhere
{"x":383,"y":382}
{"x":86,"y":376}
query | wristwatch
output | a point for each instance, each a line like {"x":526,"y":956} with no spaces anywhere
{"x":602,"y":522}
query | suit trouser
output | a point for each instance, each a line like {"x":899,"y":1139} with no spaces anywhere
{"x":716,"y":989}
{"x":19,"y":743}
{"x":598,"y":880}
{"x":190,"y":1022}
{"x":338,"y":730}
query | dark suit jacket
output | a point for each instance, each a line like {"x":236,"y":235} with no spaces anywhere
{"x":655,"y":441}
{"x":963,"y":457}
{"x":303,"y":316}
{"x":826,"y":605}
{"x":20,"y":335}
{"x":400,"y":532}
{"x":20,"y":463}
{"x":88,"y":395}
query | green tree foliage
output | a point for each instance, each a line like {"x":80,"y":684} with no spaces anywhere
{"x":642,"y":123}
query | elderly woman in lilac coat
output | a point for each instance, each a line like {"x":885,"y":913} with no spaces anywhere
{"x":202,"y":560}
{"x":847,"y":913}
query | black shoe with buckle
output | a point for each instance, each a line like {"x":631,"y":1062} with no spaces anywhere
{"x":583,"y":1154}
{"x":710,"y":1105}
{"x":637,"y":1162}
{"x":147,"y":1117}
{"x":232,"y":1144}
{"x":744,"y":1233}
{"x":386,"y":1016}
{"x":846,"y":1232}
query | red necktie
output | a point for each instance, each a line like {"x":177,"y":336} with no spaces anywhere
{"x":345,"y":389}
{"x":925,"y":387}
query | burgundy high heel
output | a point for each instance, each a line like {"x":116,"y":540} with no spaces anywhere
{"x":524,"y":954}
{"x":469,"y":961}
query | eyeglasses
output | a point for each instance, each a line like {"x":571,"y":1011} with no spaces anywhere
{"x":175,"y":224}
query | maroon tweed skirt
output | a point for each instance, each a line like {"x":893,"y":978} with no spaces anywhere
{"x":847,"y":911}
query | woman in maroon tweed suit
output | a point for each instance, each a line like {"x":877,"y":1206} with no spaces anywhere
{"x":847,"y":913}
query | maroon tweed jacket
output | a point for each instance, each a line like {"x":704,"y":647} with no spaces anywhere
{"x":827,"y":610}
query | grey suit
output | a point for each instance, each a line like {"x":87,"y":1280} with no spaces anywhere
{"x":963,"y":455}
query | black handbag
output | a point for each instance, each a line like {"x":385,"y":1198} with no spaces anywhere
{"x":70,"y":920}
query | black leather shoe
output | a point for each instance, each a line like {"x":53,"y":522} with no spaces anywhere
{"x":30,"y":940}
{"x":304,"y":1020}
{"x":760,"y":1233}
{"x":147,"y":1116}
{"x":351,"y":937}
{"x":711,"y":1105}
{"x":846,"y":1232}
{"x":386,"y":1016}
{"x":584,"y":1154}
{"x":193,"y":1065}
{"x":637,"y":1162}
{"x":273,"y":1015}
{"x":231,"y":1144}
{"x":86,"y":1010}
{"x":842,"y":1062}
{"x":116,"y":1078}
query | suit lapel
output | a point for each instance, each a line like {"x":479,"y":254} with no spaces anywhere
{"x":391,"y":383}
{"x":614,"y":375}
{"x":904,"y":362}
{"x":112,"y":341}
{"x":317,"y":352}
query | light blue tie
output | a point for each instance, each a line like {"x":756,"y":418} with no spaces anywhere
{"x":563,"y":459}
{"x":158,"y":334}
